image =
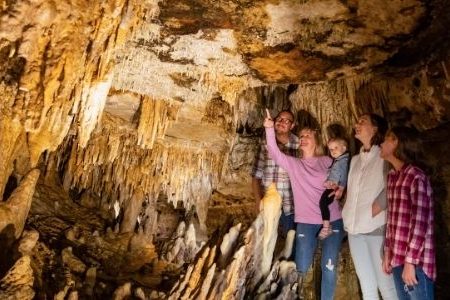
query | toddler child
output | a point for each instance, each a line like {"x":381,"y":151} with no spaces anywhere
{"x":336,"y":181}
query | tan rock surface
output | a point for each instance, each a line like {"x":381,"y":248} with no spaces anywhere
{"x":18,"y":282}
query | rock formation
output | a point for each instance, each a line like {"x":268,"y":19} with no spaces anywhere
{"x":14,"y":211}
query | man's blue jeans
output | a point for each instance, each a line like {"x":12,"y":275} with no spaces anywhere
{"x":424,"y":290}
{"x":306,"y":244}
{"x":287,"y":223}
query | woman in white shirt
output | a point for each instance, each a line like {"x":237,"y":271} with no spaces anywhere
{"x":364,"y":212}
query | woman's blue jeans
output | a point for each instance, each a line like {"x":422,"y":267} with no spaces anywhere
{"x":424,"y":290}
{"x":306,"y":244}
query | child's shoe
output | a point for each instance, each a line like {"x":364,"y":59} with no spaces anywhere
{"x":325,"y":232}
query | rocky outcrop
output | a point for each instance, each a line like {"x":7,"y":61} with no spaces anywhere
{"x":236,"y":271}
{"x":14,"y":211}
{"x":18,"y":282}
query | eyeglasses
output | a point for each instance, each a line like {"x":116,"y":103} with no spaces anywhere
{"x":284,"y":121}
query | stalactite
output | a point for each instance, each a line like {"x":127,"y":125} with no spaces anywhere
{"x":93,"y":99}
{"x":185,"y":174}
{"x":341,"y":100}
{"x":212,"y":72}
{"x":155,"y":117}
{"x":65,"y":60}
{"x":49,"y":134}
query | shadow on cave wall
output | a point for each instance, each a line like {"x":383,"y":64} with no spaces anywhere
{"x":436,"y":145}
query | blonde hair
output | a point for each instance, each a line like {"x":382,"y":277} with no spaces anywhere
{"x":319,"y":149}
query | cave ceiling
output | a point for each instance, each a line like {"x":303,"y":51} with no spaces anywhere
{"x":110,"y":87}
{"x":194,"y":51}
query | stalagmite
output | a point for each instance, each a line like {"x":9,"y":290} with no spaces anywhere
{"x":234,"y":285}
{"x":271,"y":211}
{"x":139,"y":294}
{"x":15,"y":210}
{"x":72,"y":262}
{"x":240,"y":274}
{"x":73,"y":295}
{"x":28,"y":242}
{"x":132,"y":209}
{"x":288,"y":246}
{"x":183,"y":247}
{"x":90,"y":280}
{"x":272,"y":277}
{"x":207,"y":283}
{"x":122,"y":292}
{"x":190,"y":284}
{"x":229,"y":241}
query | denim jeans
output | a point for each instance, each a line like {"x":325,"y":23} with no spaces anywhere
{"x":306,"y":244}
{"x":287,"y":223}
{"x":367,"y":252}
{"x":424,"y":290}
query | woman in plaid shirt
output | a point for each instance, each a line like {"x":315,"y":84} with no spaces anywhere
{"x":409,"y":251}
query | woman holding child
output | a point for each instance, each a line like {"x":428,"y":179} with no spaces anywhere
{"x":364,"y":212}
{"x":307,"y":175}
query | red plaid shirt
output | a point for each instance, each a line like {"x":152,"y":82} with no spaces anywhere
{"x":268,"y":171}
{"x":409,"y":232}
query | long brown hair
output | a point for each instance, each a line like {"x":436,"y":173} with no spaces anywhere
{"x":410,"y":148}
{"x":382,"y":126}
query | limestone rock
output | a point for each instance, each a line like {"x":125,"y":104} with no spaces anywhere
{"x":183,"y":247}
{"x":11,"y":130}
{"x":18,"y":282}
{"x":15,"y":210}
{"x":271,"y":211}
{"x":90,"y":280}
{"x":122,"y":292}
{"x":139,"y":294}
{"x":72,"y":262}
{"x":28,"y":242}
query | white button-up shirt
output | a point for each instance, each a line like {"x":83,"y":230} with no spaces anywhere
{"x":365,"y":182}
